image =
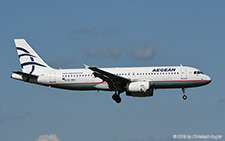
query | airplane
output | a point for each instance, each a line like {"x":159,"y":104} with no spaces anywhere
{"x":134,"y":81}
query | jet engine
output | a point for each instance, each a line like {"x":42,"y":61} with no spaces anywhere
{"x":139,"y":89}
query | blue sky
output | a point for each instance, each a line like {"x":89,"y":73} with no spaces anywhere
{"x":68,"y":34}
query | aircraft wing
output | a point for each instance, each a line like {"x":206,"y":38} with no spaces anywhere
{"x":115,"y":82}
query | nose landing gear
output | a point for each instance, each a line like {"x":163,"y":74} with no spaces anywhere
{"x":184,"y":96}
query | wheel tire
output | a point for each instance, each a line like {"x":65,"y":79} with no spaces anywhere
{"x":184,"y":97}
{"x":116,"y":98}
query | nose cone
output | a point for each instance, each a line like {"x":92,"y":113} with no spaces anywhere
{"x":208,"y":79}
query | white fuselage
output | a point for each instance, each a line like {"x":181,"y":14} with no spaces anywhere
{"x":158,"y":77}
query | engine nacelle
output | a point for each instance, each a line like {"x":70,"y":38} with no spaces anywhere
{"x":139,"y":89}
{"x":138,"y":86}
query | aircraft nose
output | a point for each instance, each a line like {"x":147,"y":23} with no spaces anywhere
{"x":208,"y":79}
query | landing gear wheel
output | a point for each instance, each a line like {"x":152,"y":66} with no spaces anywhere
{"x":116,"y":98}
{"x":184,"y":97}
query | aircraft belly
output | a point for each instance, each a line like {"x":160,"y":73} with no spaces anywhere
{"x":75,"y":86}
{"x":177,"y":84}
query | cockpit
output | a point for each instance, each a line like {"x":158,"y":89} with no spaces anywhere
{"x":198,"y":72}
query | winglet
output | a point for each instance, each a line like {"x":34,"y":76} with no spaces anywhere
{"x":86,"y":66}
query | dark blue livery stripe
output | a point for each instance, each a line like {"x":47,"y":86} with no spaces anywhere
{"x":32,"y":70}
{"x":32,"y":63}
{"x":32,"y":59}
{"x":22,"y":49}
{"x":26,"y":55}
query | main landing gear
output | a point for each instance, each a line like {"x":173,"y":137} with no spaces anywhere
{"x":116,"y":97}
{"x":184,"y":96}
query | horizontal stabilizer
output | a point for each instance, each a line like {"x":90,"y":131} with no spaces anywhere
{"x":31,"y":76}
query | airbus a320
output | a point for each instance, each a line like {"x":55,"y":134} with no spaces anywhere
{"x":134,"y":81}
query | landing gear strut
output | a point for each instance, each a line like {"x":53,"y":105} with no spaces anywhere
{"x":116,"y":97}
{"x":184,"y":96}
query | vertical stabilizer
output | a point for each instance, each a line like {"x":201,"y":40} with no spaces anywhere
{"x":30,"y":61}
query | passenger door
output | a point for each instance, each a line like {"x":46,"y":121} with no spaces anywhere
{"x":183,"y":73}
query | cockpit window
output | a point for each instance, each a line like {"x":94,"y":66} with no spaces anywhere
{"x":201,"y":72}
{"x":198,"y":72}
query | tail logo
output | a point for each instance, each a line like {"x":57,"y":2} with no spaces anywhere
{"x":32,"y":62}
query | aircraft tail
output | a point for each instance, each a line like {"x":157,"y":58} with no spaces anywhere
{"x":31,"y":62}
